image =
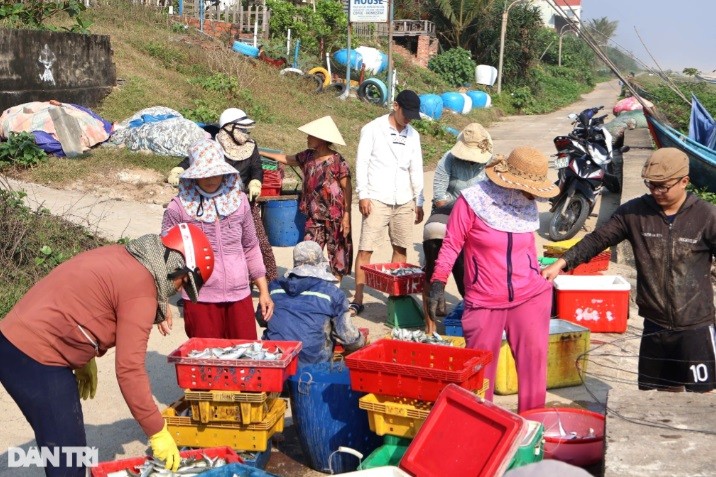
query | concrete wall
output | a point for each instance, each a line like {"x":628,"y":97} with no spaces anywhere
{"x":41,"y":65}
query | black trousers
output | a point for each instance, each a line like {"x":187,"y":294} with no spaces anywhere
{"x":48,"y":397}
{"x":431,"y":249}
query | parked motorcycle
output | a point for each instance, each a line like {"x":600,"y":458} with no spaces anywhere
{"x":584,"y":163}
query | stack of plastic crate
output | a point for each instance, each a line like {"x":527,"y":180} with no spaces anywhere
{"x":273,"y":177}
{"x":232,"y":403}
{"x":595,"y":266}
{"x":403,"y":380}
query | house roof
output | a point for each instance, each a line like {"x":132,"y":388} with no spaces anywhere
{"x":568,"y":3}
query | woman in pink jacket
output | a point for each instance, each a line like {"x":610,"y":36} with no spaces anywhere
{"x":210,"y":197}
{"x":494,"y":222}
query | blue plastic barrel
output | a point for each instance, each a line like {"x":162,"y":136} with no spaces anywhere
{"x":246,"y":49}
{"x":341,"y":56}
{"x":326,"y":415}
{"x":467,"y":106}
{"x":453,"y":101}
{"x":480,"y":99}
{"x":431,"y":105}
{"x":383,"y":63}
{"x":283,"y":222}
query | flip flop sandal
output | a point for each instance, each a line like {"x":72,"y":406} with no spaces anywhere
{"x":356,"y":308}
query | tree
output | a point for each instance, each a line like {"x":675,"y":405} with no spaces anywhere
{"x":460,"y":16}
{"x":602,"y":30}
{"x":690,"y":71}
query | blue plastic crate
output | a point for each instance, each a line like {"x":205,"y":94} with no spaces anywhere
{"x":453,"y":321}
{"x":237,"y":470}
{"x":258,"y":460}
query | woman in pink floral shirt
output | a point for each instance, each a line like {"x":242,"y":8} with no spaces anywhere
{"x":326,"y":197}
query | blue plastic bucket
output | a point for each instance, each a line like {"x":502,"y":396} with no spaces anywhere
{"x":283,"y":222}
{"x":326,"y":415}
{"x":246,"y":49}
{"x":431,"y":105}
{"x":453,"y":101}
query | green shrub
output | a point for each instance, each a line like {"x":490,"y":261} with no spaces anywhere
{"x":455,"y":66}
{"x":20,"y":150}
{"x":703,"y":193}
{"x":36,"y":13}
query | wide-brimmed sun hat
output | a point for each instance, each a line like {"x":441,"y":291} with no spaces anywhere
{"x":235,"y":116}
{"x":308,"y":261}
{"x":325,"y":129}
{"x":525,"y":169}
{"x":474,"y":144}
{"x":207,"y":160}
{"x":665,"y":164}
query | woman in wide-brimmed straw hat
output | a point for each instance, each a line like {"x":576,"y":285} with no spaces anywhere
{"x":493,"y":223}
{"x":460,"y":167}
{"x":211,"y":198}
{"x":326,"y":197}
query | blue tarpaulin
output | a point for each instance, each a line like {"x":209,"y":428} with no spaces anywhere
{"x":702,"y":127}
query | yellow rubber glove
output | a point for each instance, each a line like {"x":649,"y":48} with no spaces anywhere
{"x":174,"y":174}
{"x":86,"y":378}
{"x":254,"y":189}
{"x":164,"y":448}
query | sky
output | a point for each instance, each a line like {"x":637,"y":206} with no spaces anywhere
{"x":679,"y":34}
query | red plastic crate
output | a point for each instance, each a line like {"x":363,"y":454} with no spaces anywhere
{"x":392,"y":285}
{"x":234,"y":374}
{"x":104,"y":468}
{"x":415,"y":370}
{"x":270,"y":191}
{"x":598,"y":264}
{"x":599,"y":303}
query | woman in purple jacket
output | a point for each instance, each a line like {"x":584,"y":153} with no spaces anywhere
{"x":210,"y":197}
{"x":494,"y":221}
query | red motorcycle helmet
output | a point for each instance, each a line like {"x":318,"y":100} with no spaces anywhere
{"x":193,"y":244}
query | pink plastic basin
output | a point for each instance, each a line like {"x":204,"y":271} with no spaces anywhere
{"x":587,"y":448}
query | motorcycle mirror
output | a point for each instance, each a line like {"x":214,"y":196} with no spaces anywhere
{"x":624,"y":149}
{"x":572,"y":116}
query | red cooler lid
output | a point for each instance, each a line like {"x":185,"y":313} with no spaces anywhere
{"x":464,"y":436}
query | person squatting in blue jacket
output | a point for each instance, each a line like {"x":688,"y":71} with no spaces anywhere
{"x":309,"y":307}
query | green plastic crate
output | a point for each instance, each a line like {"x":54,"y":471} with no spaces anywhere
{"x":531,"y":449}
{"x":405,"y":312}
{"x":387,"y":454}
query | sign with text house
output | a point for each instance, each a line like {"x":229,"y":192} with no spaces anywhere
{"x":368,"y":11}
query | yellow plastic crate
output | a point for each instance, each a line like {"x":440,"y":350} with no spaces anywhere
{"x":559,"y":248}
{"x":567,"y":341}
{"x":252,"y":437}
{"x":401,"y":417}
{"x":457,"y":341}
{"x":229,"y":406}
{"x":395,"y":416}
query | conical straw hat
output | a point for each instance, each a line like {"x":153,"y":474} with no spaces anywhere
{"x":325,"y":129}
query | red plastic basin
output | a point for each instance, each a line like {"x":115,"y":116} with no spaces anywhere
{"x":581,"y":450}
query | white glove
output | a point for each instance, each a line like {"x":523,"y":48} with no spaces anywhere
{"x":174,"y":174}
{"x":254,"y":189}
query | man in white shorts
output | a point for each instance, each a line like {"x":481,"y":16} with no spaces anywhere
{"x":389,"y":184}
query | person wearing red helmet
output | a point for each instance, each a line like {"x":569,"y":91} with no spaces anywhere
{"x":109,"y":297}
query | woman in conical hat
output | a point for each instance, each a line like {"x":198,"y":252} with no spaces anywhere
{"x":326,"y":197}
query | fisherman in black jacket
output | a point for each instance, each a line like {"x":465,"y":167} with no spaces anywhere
{"x":673,"y":234}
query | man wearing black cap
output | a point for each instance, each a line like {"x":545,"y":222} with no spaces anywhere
{"x":673,"y":234}
{"x":389,"y":184}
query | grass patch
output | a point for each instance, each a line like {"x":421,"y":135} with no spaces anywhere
{"x":34,"y":242}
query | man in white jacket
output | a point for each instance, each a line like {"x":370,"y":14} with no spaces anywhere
{"x":389,"y":184}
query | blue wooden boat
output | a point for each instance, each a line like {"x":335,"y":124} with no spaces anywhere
{"x":702,"y":160}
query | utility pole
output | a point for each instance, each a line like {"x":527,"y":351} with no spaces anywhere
{"x":503,"y":31}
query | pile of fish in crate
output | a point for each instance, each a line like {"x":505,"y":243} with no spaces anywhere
{"x":231,"y":402}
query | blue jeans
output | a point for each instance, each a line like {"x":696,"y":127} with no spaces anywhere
{"x":49,"y":400}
